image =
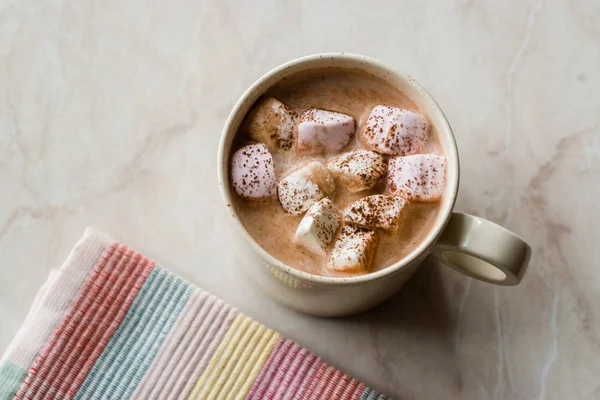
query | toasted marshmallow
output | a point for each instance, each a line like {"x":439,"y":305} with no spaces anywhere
{"x":273,"y":123}
{"x":420,"y":177}
{"x":377,"y":212}
{"x":318,"y":227}
{"x":253,"y":173}
{"x":394,"y":131}
{"x":322,"y":131}
{"x":358,"y":169}
{"x":304,"y":187}
{"x":354,"y":250}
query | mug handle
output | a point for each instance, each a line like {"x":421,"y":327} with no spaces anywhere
{"x":483,"y":250}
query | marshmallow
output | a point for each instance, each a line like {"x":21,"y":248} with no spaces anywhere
{"x":394,"y":131}
{"x":273,"y":123}
{"x":377,"y":212}
{"x":354,"y":250}
{"x":420,"y":178}
{"x":304,"y":187}
{"x":318,"y":227}
{"x":253,"y":173}
{"x":324,"y":131}
{"x":358,"y":169}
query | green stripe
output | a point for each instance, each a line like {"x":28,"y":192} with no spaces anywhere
{"x":130,"y":351}
{"x":11,"y":377}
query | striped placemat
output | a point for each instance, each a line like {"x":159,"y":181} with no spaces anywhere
{"x":112,"y":324}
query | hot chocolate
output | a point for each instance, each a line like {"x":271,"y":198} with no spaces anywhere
{"x":337,"y":173}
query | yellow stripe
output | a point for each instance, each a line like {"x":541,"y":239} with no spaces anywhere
{"x":252,"y":350}
{"x":237,"y":361}
{"x":224,"y":373}
{"x":255,"y":364}
{"x":216,"y":358}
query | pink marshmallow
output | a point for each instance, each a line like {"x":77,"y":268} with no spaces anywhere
{"x":394,"y":131}
{"x":418,"y":178}
{"x":324,"y":131}
{"x":253,"y":173}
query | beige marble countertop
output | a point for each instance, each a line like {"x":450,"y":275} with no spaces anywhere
{"x":110,"y":113}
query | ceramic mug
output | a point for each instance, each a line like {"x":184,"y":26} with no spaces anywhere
{"x":472,"y":245}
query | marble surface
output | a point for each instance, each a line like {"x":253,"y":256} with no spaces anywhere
{"x":110,"y":114}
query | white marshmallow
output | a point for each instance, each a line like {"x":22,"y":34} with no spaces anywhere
{"x":394,"y":131}
{"x":253,"y":173}
{"x":318,"y":227}
{"x":273,"y":123}
{"x":358,"y":169}
{"x":377,"y":212}
{"x":304,"y":187}
{"x":419,"y":178}
{"x":354,"y":250}
{"x":322,"y":131}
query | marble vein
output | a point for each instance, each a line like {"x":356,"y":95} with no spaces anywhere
{"x":553,"y":352}
{"x":512,"y":71}
{"x":499,"y":388}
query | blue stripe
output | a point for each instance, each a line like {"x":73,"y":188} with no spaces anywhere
{"x":11,"y":377}
{"x":370,"y":394}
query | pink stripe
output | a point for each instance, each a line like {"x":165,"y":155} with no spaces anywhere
{"x":336,"y":386}
{"x":278,"y":383}
{"x":270,"y":369}
{"x":322,"y":383}
{"x":30,"y":384}
{"x":359,"y":391}
{"x":343,"y":385}
{"x":308,"y":369}
{"x":286,"y":390}
{"x":312,"y":383}
{"x":349,"y":391}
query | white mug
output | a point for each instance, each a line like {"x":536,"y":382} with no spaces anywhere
{"x":472,"y":245}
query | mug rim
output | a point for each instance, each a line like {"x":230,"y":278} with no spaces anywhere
{"x":441,"y":220}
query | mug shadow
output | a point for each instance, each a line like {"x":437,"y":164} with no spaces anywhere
{"x":411,"y":333}
{"x":421,"y":305}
